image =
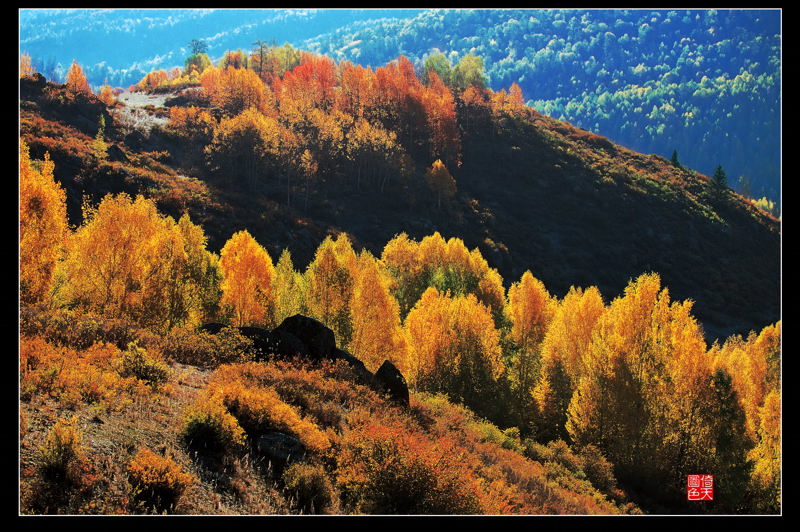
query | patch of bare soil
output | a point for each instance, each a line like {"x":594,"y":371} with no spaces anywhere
{"x":141,"y":110}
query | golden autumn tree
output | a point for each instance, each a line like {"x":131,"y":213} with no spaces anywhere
{"x":454,"y":348}
{"x":128,"y":260}
{"x":766,"y":474}
{"x":197,"y":292}
{"x":754,"y":366}
{"x":77,"y":84}
{"x":107,"y":95}
{"x":377,"y":331}
{"x":248,"y":281}
{"x":508,"y":102}
{"x":26,"y":68}
{"x":530,"y":309}
{"x":445,"y":264}
{"x":42,"y":226}
{"x":567,"y":338}
{"x":441,"y":181}
{"x":235,"y":90}
{"x":515,"y":99}
{"x":647,"y":394}
{"x":289,"y":288}
{"x":193,"y":123}
{"x":329,"y":280}
{"x":250,"y":146}
{"x":729,"y":453}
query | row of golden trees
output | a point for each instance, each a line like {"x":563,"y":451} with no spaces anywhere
{"x":633,"y":377}
{"x":304,"y":118}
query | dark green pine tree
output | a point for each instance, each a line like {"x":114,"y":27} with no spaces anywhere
{"x":730,"y":464}
{"x":720,"y":178}
{"x":674,"y":159}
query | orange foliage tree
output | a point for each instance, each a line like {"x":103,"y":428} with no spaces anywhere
{"x":127,"y":260}
{"x":454,"y":348}
{"x":42,"y":226}
{"x":649,"y":397}
{"x":475,"y":110}
{"x":377,"y":331}
{"x":107,"y":95}
{"x":153,"y":80}
{"x":397,"y":101}
{"x":441,"y":181}
{"x":311,"y":83}
{"x":508,"y":102}
{"x":330,"y":279}
{"x":530,"y":309}
{"x":248,"y":278}
{"x":440,"y":115}
{"x":77,"y":84}
{"x":356,"y":96}
{"x":568,"y":336}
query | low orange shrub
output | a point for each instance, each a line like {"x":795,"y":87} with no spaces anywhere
{"x":157,"y":482}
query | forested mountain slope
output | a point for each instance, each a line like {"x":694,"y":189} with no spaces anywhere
{"x":532,"y":193}
{"x":706,"y":83}
{"x":356,"y":252}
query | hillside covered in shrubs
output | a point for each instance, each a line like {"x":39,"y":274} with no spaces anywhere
{"x":550,"y":354}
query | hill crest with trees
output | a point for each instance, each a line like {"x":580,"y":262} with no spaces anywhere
{"x":351,"y":176}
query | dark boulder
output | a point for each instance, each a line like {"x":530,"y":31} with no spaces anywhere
{"x":261,"y":338}
{"x":358,"y":367}
{"x":392,"y":382}
{"x":115,"y":153}
{"x":281,"y":449}
{"x":318,"y":338}
{"x":284,"y":344}
{"x":212,"y":328}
